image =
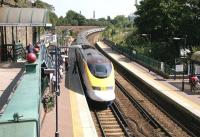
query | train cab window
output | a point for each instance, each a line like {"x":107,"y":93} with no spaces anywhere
{"x":91,"y":68}
{"x":100,"y":70}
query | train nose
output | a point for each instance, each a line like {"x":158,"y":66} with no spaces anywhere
{"x":102,"y":95}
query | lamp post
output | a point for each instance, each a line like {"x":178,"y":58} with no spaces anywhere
{"x":148,"y":36}
{"x":183,"y":54}
{"x":57,"y":88}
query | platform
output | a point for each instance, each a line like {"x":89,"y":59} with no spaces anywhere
{"x":165,"y":86}
{"x":74,"y":116}
{"x":10,"y":73}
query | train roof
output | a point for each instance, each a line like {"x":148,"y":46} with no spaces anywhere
{"x":92,"y":55}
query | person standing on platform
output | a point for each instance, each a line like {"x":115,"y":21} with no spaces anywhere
{"x":29,"y":48}
{"x":66,"y":65}
{"x":45,"y":103}
{"x":74,"y":68}
{"x":75,"y":64}
{"x":193,"y":82}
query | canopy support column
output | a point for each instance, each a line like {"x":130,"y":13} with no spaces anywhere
{"x":16,"y":35}
{"x":5,"y":36}
{"x":26,"y":36}
{"x":34,"y":37}
{"x":13,"y":39}
{"x":2,"y":36}
{"x":38,"y":33}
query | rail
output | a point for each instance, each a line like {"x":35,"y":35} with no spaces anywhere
{"x":142,"y":110}
{"x":188,"y":121}
{"x":150,"y":63}
{"x":112,"y":122}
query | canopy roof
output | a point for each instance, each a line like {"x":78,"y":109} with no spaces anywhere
{"x":23,"y":17}
{"x":196,"y":56}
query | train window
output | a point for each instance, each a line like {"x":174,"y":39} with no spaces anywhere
{"x":91,"y":68}
{"x":100,"y":70}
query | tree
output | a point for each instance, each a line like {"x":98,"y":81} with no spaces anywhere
{"x":74,"y":18}
{"x":60,"y":21}
{"x":166,"y":19}
{"x":52,"y":16}
{"x":120,"y":21}
{"x":41,"y":4}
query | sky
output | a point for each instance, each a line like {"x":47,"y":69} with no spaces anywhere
{"x":102,"y":8}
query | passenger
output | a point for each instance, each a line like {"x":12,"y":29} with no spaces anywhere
{"x":60,"y":60}
{"x":61,"y":71}
{"x":53,"y":83}
{"x":75,"y":64}
{"x":66,"y":65}
{"x":193,"y":82}
{"x":29,"y":48}
{"x":74,"y":68}
{"x":45,"y":103}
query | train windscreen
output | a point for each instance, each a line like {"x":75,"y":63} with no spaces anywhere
{"x":100,"y":70}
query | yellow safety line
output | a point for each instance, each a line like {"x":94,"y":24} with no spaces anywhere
{"x":76,"y":122}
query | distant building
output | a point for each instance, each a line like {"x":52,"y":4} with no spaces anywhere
{"x":93,"y":14}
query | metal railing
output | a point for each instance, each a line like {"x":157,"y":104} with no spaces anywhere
{"x":145,"y":61}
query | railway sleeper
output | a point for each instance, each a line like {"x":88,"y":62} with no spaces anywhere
{"x":115,"y":134}
{"x":113,"y":130}
{"x":105,"y":113}
{"x":110,"y":116}
{"x":111,"y":126}
{"x":109,"y":122}
{"x":105,"y":119}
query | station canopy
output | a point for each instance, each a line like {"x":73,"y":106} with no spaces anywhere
{"x":24,"y":17}
{"x":196,"y":56}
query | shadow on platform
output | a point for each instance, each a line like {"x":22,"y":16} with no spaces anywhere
{"x":7,"y":65}
{"x":187,"y":89}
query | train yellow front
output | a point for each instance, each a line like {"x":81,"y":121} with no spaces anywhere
{"x":97,"y":73}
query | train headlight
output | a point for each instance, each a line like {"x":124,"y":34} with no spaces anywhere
{"x":102,"y":88}
{"x":110,"y":88}
{"x":96,"y":88}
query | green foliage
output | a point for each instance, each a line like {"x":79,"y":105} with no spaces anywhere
{"x":120,"y":21}
{"x":41,"y":4}
{"x":167,"y":19}
{"x":73,"y":18}
{"x":52,"y":16}
{"x":163,"y":20}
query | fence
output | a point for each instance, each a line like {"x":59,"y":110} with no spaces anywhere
{"x":13,"y":52}
{"x":151,"y":64}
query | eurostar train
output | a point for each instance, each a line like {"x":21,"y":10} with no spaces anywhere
{"x":97,"y":73}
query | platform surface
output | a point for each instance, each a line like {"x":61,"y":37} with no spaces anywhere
{"x":74,"y":116}
{"x":187,"y":99}
{"x":8,"y":71}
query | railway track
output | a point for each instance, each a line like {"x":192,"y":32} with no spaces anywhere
{"x":181,"y":125}
{"x":111,"y":122}
{"x":143,"y":111}
{"x":187,"y":122}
